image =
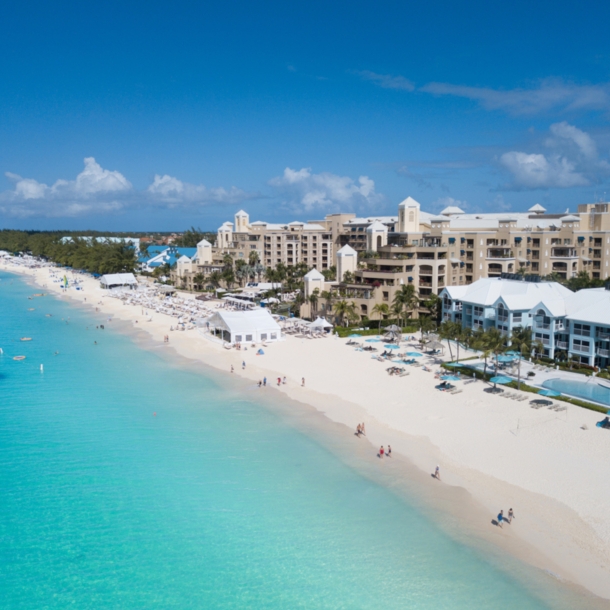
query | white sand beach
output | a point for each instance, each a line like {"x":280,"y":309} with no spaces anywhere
{"x":543,"y":464}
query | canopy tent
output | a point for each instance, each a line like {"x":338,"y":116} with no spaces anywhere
{"x":393,"y":328}
{"x":244,"y":326}
{"x":321,"y":324}
{"x":112,"y":280}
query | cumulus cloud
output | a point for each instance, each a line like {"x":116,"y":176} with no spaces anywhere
{"x":170,"y":190}
{"x":97,"y":191}
{"x":548,"y":94}
{"x":572,"y":160}
{"x":305,"y":192}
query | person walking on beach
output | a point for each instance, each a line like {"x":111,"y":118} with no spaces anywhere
{"x":437,"y":473}
{"x":303,"y":382}
{"x":279,"y":382}
{"x":362,"y":429}
{"x":231,"y":368}
{"x":381,"y":452}
{"x":358,"y":430}
{"x":511,"y":515}
{"x":264,"y":382}
{"x":243,"y":365}
{"x":389,"y":453}
{"x":284,"y":381}
{"x":500,"y":518}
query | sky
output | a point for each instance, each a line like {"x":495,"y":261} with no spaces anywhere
{"x":148,"y":116}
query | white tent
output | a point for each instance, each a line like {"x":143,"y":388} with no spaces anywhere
{"x":244,"y":326}
{"x":320,"y":324}
{"x":113,"y":280}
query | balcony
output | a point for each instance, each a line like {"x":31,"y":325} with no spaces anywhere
{"x":604,"y":336}
{"x":561,"y":344}
{"x":602,"y":352}
{"x":564,"y":253}
{"x":500,"y":252}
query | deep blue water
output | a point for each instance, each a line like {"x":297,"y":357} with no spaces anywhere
{"x":215,"y":502}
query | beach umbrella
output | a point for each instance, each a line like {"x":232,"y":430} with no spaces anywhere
{"x":393,"y":346}
{"x":393,"y":328}
{"x":500,"y":379}
{"x":505,"y":358}
{"x":549,"y":393}
{"x":511,"y":353}
{"x":354,"y":336}
{"x":373,"y":340}
{"x":414,"y":354}
{"x":450,"y":378}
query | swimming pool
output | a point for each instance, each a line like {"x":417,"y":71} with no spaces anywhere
{"x":581,"y":389}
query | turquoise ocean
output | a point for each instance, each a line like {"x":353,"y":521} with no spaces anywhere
{"x":214,"y":502}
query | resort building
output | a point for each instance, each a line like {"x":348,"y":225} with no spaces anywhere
{"x":577,"y":324}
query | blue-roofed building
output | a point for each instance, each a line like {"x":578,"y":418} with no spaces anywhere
{"x":165,"y":255}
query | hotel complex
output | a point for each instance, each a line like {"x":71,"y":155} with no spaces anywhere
{"x":429,"y":251}
{"x":575,"y":323}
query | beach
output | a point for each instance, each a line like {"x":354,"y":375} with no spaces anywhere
{"x":493,"y":454}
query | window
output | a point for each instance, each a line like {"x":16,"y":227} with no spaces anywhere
{"x":517,"y":317}
{"x":263,"y":336}
{"x":273,"y":336}
{"x":502,"y":313}
{"x":237,"y":338}
{"x":584,"y":330}
{"x":478,"y":324}
{"x":248,"y":337}
{"x":580,"y":346}
{"x":478,"y":311}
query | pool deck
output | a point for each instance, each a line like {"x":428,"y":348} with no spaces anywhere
{"x":545,"y":373}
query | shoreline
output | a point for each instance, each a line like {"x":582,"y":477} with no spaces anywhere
{"x":547,"y":533}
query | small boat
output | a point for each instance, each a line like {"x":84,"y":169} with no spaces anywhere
{"x":18,"y":357}
{"x":26,"y":339}
{"x":31,"y":309}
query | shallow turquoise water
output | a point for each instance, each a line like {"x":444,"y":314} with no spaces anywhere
{"x":580,"y":389}
{"x":215,"y":502}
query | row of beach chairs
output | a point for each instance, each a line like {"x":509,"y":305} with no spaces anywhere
{"x":513,"y":396}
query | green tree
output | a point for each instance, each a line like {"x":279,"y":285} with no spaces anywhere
{"x":381,"y":310}
{"x":407,"y":297}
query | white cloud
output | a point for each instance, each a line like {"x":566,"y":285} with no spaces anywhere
{"x":305,"y":191}
{"x":537,"y":171}
{"x":573,"y":161}
{"x":97,"y":190}
{"x":548,"y":94}
{"x":167,"y":189}
{"x":387,"y":81}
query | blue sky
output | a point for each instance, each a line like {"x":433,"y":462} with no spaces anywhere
{"x":158,"y":116}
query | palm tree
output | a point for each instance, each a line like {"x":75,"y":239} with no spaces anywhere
{"x":253,"y":258}
{"x":343,"y":310}
{"x":521,"y":341}
{"x":494,"y":342}
{"x":407,"y":297}
{"x":381,"y":309}
{"x":450,"y":330}
{"x":215,"y":278}
{"x":328,"y":298}
{"x":397,"y":311}
{"x":198,"y":280}
{"x":313,"y":300}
